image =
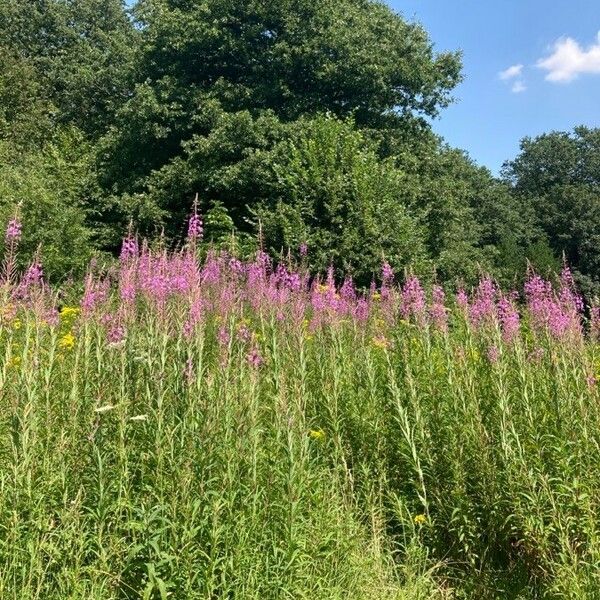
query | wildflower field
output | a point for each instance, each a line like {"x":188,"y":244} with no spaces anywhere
{"x":192,"y":426}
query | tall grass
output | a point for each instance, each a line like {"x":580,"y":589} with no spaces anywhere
{"x":212,"y":429}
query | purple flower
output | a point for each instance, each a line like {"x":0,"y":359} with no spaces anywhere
{"x":129,"y":248}
{"x":95,"y":292}
{"x":223,"y":336}
{"x":509,"y":319}
{"x":116,"y":334}
{"x":437,"y":311}
{"x":483,"y":307}
{"x":568,"y":291}
{"x":13,"y":230}
{"x":462,"y":299}
{"x":254,"y":358}
{"x":195,"y":229}
{"x":361,"y":310}
{"x":243,"y":333}
{"x":595,"y":322}
{"x":387,"y":273}
{"x":493,"y":354}
{"x":303,"y":249}
{"x":33,"y":276}
{"x":413,"y":300}
{"x":557,"y":314}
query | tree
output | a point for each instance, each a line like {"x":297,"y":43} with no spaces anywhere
{"x":208,"y":68}
{"x":334,"y":196}
{"x":80,"y":53}
{"x":65,"y":68}
{"x":297,"y":57}
{"x":558,"y":175}
{"x":46,"y":185}
{"x":24,"y":109}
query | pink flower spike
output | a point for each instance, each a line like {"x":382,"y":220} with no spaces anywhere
{"x":438,"y":312}
{"x":595,"y":322}
{"x":413,"y":300}
{"x":254,"y":358}
{"x":462,"y":299}
{"x":116,"y":334}
{"x":387,"y":273}
{"x":493,"y":354}
{"x":195,"y":229}
{"x":13,"y":231}
{"x":509,"y":319}
{"x":129,"y":248}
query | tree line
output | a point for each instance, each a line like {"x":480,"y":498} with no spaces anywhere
{"x":299,"y":123}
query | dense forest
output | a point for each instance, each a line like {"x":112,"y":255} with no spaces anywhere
{"x":297,"y":123}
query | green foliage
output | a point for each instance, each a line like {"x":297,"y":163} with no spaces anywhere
{"x":24,"y":110}
{"x":220,"y":83}
{"x":228,"y":163}
{"x":558,"y":174}
{"x":336,"y":196}
{"x":447,"y":188}
{"x":80,"y":51}
{"x":64,"y":69}
{"x":45,"y":186}
{"x":128,"y":475}
{"x":296,"y":57}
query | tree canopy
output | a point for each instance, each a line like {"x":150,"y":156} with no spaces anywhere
{"x":295,"y":121}
{"x":558,"y":175}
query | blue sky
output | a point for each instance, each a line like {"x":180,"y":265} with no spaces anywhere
{"x":557,"y":42}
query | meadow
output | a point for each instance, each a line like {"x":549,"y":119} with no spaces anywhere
{"x":191,"y":426}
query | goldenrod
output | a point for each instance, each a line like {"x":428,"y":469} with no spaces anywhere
{"x":67,"y":341}
{"x":317,"y":434}
{"x":420,"y":520}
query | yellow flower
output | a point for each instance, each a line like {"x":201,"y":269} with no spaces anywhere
{"x":69,"y":312}
{"x":376,"y":296}
{"x":15,"y":361}
{"x":17,"y":324}
{"x":317,"y":434}
{"x":381,"y":342}
{"x":420,"y":520}
{"x":67,"y":341}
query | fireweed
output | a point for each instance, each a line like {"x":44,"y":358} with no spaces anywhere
{"x":217,"y":428}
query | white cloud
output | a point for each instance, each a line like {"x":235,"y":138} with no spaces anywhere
{"x":518,"y":87}
{"x":511,"y":72}
{"x":568,"y":60}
